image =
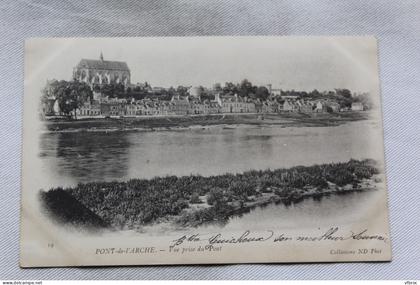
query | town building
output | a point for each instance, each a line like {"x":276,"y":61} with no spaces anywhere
{"x":49,"y":104}
{"x":275,"y":92}
{"x":319,"y":107}
{"x":289,"y":106}
{"x":47,"y":107}
{"x":335,"y":107}
{"x":195,"y":91}
{"x":89,"y":109}
{"x":236,"y":104}
{"x":213,"y":107}
{"x":196,"y":107}
{"x":357,"y":106}
{"x":112,"y":108}
{"x":98,"y":72}
{"x":133,"y":109}
{"x":180,"y":105}
{"x":165,"y":108}
{"x":270,"y":106}
{"x":304,"y":106}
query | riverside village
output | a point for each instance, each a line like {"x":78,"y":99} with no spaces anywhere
{"x":103,"y":89}
{"x":146,"y":180}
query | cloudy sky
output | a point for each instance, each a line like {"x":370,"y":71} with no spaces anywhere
{"x":301,"y":63}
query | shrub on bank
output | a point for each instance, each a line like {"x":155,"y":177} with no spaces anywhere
{"x":143,"y":201}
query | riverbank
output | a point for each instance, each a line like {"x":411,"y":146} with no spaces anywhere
{"x":190,"y":201}
{"x":184,"y":122}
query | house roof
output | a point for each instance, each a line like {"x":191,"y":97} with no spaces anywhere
{"x":103,"y":64}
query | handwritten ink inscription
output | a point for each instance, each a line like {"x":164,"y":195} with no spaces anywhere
{"x":332,"y":234}
{"x":201,"y":243}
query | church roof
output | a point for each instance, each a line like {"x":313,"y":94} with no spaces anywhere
{"x":103,"y":64}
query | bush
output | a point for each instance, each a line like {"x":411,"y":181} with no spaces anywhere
{"x":141,"y":201}
{"x":215,"y":196}
{"x":195,"y":199}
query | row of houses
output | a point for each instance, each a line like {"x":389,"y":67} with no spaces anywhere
{"x":183,"y":106}
{"x":147,"y":107}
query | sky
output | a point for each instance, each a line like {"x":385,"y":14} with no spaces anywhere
{"x":300,"y":63}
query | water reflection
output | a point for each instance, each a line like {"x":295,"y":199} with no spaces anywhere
{"x":87,"y":156}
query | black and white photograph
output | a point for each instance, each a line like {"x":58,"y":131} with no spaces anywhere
{"x":199,"y":150}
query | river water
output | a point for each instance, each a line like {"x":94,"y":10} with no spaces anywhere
{"x":72,"y":157}
{"x":69,"y":158}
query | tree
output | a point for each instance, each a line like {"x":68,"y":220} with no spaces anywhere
{"x":171,"y":91}
{"x":79,"y":94}
{"x":343,"y":92}
{"x":182,"y":90}
{"x":315,"y":94}
{"x":365,"y":99}
{"x":70,"y":95}
{"x":262,"y":93}
{"x":205,"y":97}
{"x":217,"y":87}
{"x":245,"y":88}
{"x":330,"y":110}
{"x":230,"y":88}
{"x":108,"y":90}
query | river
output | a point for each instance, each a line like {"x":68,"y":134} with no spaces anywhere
{"x":334,"y":210}
{"x":69,"y":158}
{"x":73,"y":157}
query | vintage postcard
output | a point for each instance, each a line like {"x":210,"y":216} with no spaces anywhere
{"x":202,"y":150}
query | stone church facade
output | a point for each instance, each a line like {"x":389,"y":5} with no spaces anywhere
{"x":98,"y":72}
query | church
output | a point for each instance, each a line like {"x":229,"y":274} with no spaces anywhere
{"x":98,"y":72}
